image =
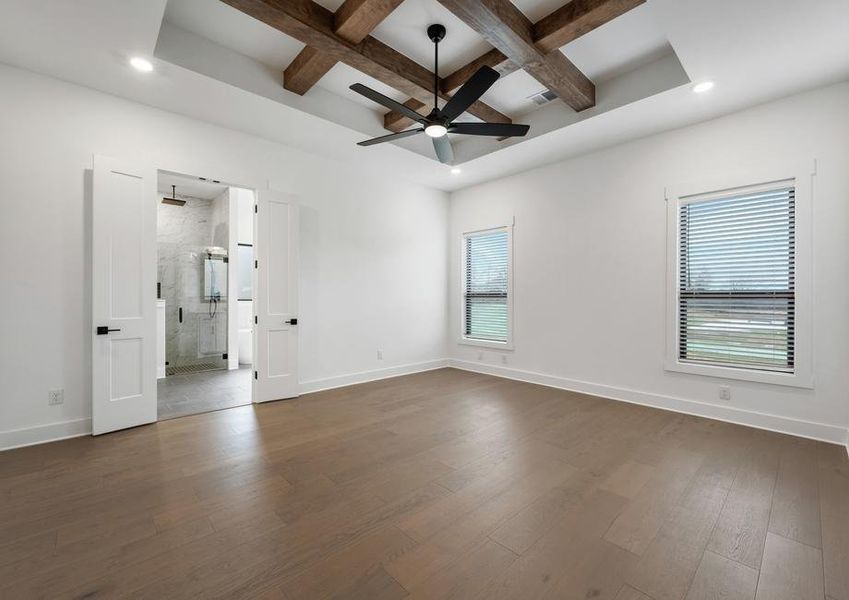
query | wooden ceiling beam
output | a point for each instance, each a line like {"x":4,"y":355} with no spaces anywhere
{"x":564,"y":25}
{"x":576,"y":18}
{"x":306,"y":69}
{"x":313,"y":25}
{"x":507,"y":29}
{"x":397,"y":122}
{"x":354,"y":20}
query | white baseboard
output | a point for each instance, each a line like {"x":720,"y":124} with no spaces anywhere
{"x":819,"y":431}
{"x":41,"y":434}
{"x":54,"y":432}
{"x":318,"y":385}
{"x":807,"y":429}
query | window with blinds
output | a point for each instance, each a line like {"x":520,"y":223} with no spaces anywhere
{"x":736,"y":291}
{"x":485,"y":311}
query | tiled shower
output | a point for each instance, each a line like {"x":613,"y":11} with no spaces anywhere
{"x":192,"y":275}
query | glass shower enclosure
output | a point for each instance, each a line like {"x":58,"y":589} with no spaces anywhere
{"x":193,"y":282}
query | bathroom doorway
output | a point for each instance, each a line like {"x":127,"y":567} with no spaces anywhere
{"x":204,"y":295}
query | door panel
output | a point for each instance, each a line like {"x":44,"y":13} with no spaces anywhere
{"x":276,"y":294}
{"x":123,"y":295}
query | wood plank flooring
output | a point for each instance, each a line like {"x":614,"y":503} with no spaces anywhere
{"x":444,"y":484}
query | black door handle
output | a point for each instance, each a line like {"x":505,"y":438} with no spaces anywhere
{"x":103,"y":330}
{"x":292,"y":321}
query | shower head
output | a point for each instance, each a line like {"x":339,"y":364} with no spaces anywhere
{"x":173,"y":199}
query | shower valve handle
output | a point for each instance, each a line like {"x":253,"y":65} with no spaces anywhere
{"x":103,"y":330}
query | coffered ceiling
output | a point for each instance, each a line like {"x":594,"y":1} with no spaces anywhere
{"x":216,"y":63}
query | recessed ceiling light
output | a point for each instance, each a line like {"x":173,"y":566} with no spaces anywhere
{"x":435,"y":130}
{"x":702,"y":87}
{"x":141,"y":64}
{"x":456,"y":171}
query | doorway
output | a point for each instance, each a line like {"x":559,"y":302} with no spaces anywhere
{"x":204,"y":295}
{"x":130,"y":330}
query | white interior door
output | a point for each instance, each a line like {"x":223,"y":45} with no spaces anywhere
{"x":276,"y":297}
{"x":123,"y":295}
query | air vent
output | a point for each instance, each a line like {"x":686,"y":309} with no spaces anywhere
{"x":543,"y":97}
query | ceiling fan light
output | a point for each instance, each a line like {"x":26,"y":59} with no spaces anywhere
{"x":436,"y":130}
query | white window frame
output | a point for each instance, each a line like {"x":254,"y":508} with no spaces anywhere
{"x":802,"y":176}
{"x":468,"y":341}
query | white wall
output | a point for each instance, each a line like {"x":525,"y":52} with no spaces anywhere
{"x":590,"y":258}
{"x":373,"y":251}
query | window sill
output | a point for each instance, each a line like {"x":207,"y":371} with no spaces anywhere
{"x":485,"y":344}
{"x":798,"y":380}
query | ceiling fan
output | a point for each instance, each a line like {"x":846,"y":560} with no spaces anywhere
{"x":440,"y":122}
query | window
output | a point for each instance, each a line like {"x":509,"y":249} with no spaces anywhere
{"x":486,"y":287}
{"x":738,"y":281}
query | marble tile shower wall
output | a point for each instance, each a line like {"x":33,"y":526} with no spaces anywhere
{"x":184,"y":233}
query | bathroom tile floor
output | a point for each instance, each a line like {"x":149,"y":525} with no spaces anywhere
{"x":192,"y":393}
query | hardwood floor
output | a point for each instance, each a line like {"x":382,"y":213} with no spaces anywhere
{"x":444,"y":484}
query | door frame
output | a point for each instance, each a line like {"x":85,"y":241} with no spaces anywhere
{"x":254,"y":224}
{"x":253,"y":190}
{"x":157,"y":170}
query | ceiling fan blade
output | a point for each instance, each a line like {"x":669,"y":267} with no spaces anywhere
{"x":391,"y":137}
{"x":469,"y":92}
{"x":443,"y":148}
{"x":388,"y":102}
{"x":492,"y":129}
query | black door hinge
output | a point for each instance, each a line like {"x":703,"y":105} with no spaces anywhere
{"x":256,"y":320}
{"x":255,"y":375}
{"x":256,"y":208}
{"x":256,"y":264}
{"x":226,"y":259}
{"x":224,"y":356}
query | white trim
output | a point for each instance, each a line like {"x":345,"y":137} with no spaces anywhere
{"x":494,"y":344}
{"x":491,"y":344}
{"x":846,"y":443}
{"x":53,"y":432}
{"x":807,"y":429}
{"x":329,"y":383}
{"x":42,"y":434}
{"x":801,"y":174}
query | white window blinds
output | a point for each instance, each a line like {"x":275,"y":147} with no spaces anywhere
{"x":736,"y":293}
{"x":485,"y":293}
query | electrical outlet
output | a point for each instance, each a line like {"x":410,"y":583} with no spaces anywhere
{"x":380,"y":355}
{"x":725,"y":393}
{"x":55,"y":397}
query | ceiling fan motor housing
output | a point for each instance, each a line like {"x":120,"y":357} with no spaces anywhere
{"x":436,"y":33}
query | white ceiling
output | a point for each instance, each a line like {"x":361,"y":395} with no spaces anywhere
{"x":188,"y":186}
{"x":755,"y":50}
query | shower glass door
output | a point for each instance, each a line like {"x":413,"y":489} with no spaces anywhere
{"x":194,"y":285}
